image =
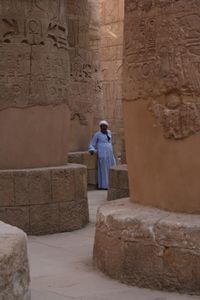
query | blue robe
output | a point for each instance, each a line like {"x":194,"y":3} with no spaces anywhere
{"x":106,"y":159}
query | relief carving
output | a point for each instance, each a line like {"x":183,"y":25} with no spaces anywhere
{"x":84,"y":83}
{"x":34,"y":59}
{"x":58,"y":35}
{"x":162,"y":59}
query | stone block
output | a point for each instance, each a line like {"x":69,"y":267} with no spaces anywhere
{"x":76,"y":157}
{"x":111,"y":251}
{"x":179,"y":231}
{"x":92,"y":177}
{"x":90,"y":161}
{"x":44,"y":219}
{"x":137,"y":262}
{"x":14,"y":266}
{"x":113,"y":178}
{"x":6,"y":189}
{"x":123,"y":177}
{"x":16,"y":216}
{"x":21,"y":186}
{"x":118,"y":182}
{"x":152,"y":248}
{"x":119,"y":176}
{"x":181,"y":270}
{"x":117,"y":194}
{"x":39,"y":186}
{"x":73,"y":215}
{"x":63,"y":184}
{"x":80,"y":174}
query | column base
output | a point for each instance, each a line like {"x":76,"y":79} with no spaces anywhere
{"x":45,"y":200}
{"x":14,"y":266}
{"x":148,"y":247}
{"x":118,"y":182}
{"x":88,"y":160}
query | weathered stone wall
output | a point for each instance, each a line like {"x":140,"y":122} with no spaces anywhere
{"x":14,"y":266}
{"x":112,"y":15}
{"x":84,"y":87}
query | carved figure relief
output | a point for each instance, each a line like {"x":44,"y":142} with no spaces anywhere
{"x":162,"y":62}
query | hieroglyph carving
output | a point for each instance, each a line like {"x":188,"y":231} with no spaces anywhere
{"x":34,"y":61}
{"x":162,"y":62}
{"x":84,"y":88}
{"x":84,"y":65}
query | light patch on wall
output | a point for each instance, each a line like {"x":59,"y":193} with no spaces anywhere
{"x":111,"y":33}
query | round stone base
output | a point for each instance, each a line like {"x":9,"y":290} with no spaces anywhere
{"x":88,"y":160}
{"x":45,"y":200}
{"x":118,"y":182}
{"x":148,"y":247}
{"x":14,"y":267}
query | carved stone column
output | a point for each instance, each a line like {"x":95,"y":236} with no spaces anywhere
{"x":112,"y":25}
{"x":153,"y":240}
{"x":84,"y":86}
{"x":34,"y":72}
{"x":37,"y":188}
{"x":162,"y":103}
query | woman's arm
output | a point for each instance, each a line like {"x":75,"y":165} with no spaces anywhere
{"x":93,"y":144}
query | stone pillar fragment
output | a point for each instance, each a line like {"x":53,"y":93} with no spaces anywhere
{"x":14,"y":265}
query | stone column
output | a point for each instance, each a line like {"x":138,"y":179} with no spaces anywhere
{"x":34,"y":115}
{"x":153,"y":240}
{"x":84,"y":86}
{"x":37,"y":189}
{"x":161,"y":103}
{"x":112,"y":25}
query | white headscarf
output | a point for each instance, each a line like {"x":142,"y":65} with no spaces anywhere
{"x":103,"y":122}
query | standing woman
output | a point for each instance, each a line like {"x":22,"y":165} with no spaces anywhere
{"x":102,"y":145}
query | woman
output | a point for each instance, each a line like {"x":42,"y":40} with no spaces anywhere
{"x":102,"y":145}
